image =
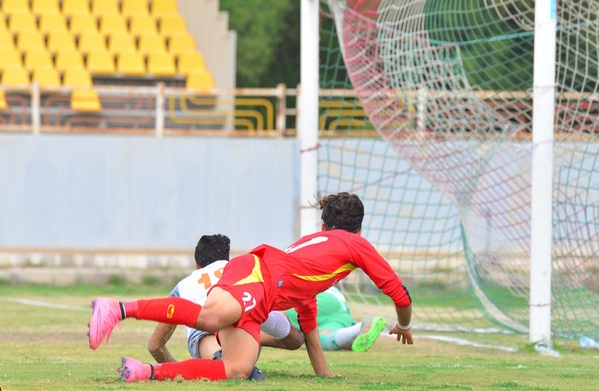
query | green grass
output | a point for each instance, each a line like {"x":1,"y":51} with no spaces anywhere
{"x":47,"y":349}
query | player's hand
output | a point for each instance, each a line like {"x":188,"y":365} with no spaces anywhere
{"x":403,"y":336}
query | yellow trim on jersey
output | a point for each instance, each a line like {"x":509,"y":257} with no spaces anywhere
{"x":255,"y":275}
{"x":322,"y":277}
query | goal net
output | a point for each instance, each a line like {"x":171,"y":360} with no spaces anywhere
{"x":426,"y":113}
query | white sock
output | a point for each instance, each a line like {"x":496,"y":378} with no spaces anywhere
{"x":277,"y":325}
{"x":345,"y":337}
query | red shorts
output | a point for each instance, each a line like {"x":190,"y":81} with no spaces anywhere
{"x":243,"y":278}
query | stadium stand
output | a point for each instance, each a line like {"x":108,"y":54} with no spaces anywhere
{"x":105,"y":8}
{"x":200,"y":80}
{"x":46,"y":77}
{"x":121,"y":43}
{"x":60,"y":41}
{"x":68,"y":59}
{"x":22,"y":22}
{"x":112,"y":24}
{"x":182,"y":43}
{"x":189,"y":62}
{"x":10,"y":58}
{"x":142,"y":24}
{"x":170,"y":25}
{"x":51,"y":23}
{"x":83,"y":23}
{"x":134,"y":8}
{"x":151,"y":43}
{"x":71,"y":8}
{"x":45,"y":7}
{"x":161,"y":64}
{"x":161,"y":8}
{"x":11,"y":7}
{"x":100,"y":62}
{"x":131,"y":64}
{"x":15,"y":77}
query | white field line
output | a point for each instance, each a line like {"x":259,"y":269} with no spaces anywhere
{"x":460,"y":341}
{"x":49,"y":305}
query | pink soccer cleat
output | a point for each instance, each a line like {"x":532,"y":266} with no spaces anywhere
{"x":106,"y":314}
{"x":132,"y":370}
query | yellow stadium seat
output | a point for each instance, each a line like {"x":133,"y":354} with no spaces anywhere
{"x":45,"y":7}
{"x":77,"y":78}
{"x":131,"y":8}
{"x":121,"y":43}
{"x":172,"y":25}
{"x":22,"y":23}
{"x":100,"y":63}
{"x":183,"y":43}
{"x":91,"y":42}
{"x":131,"y":64}
{"x":200,"y":80}
{"x":190,"y":62}
{"x":83,"y":23}
{"x":75,"y":7}
{"x":85,"y":100}
{"x":30,"y":40}
{"x":161,"y":64}
{"x":3,"y":26}
{"x":3,"y":105}
{"x":105,"y":7}
{"x":46,"y":77}
{"x":52,"y":22}
{"x":6,"y":39}
{"x":142,"y":24}
{"x":10,"y":58}
{"x":151,"y":43}
{"x":164,"y":7}
{"x":60,"y":41}
{"x":110,"y":24}
{"x":35,"y":59}
{"x":10,"y":7}
{"x":15,"y":77}
{"x":68,"y":59}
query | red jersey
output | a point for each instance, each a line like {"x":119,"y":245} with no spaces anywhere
{"x":315,"y":263}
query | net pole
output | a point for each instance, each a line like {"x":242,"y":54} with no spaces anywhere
{"x":307,"y":116}
{"x":542,"y":170}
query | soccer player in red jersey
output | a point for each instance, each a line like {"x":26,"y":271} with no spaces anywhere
{"x":266,"y":279}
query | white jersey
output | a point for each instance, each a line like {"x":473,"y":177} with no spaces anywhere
{"x":195,"y":288}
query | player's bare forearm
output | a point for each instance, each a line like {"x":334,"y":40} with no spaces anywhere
{"x":403,"y":328}
{"x":157,"y":343}
{"x":316,"y":354}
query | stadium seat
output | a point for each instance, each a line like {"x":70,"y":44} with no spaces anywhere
{"x":85,"y":100}
{"x":40,"y":58}
{"x":10,"y":58}
{"x":68,"y":59}
{"x":30,"y":40}
{"x":105,"y":7}
{"x":161,"y":64}
{"x":91,"y":42}
{"x":15,"y":77}
{"x":110,"y":24}
{"x":61,"y":40}
{"x":172,"y":25}
{"x":132,"y":8}
{"x":121,"y":43}
{"x":164,"y":7}
{"x":71,"y":8}
{"x":10,"y":7}
{"x":190,"y":62}
{"x":131,"y":64}
{"x":50,"y":23}
{"x":82,"y":24}
{"x":142,"y":24}
{"x":3,"y":104}
{"x":184,"y":43}
{"x":46,"y":77}
{"x":151,"y":43}
{"x":22,"y":23}
{"x":100,"y":63}
{"x":7,"y":39}
{"x":45,"y":7}
{"x":77,"y":78}
{"x":200,"y":80}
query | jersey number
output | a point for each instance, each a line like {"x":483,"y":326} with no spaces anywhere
{"x":206,"y":278}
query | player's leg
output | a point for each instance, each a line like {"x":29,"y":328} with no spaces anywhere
{"x":278,"y":332}
{"x":239,"y":352}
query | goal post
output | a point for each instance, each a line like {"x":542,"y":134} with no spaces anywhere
{"x":477,"y":160}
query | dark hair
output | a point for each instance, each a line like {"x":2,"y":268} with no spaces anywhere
{"x":212,"y":248}
{"x":342,"y":211}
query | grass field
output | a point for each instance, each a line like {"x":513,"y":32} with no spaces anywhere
{"x":46,"y":348}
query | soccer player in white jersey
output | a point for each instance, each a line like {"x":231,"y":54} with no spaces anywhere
{"x":211,"y":256}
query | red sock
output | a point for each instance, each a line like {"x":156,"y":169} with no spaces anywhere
{"x":171,"y":310}
{"x":192,"y":369}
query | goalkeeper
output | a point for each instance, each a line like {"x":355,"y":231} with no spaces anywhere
{"x":337,"y":327}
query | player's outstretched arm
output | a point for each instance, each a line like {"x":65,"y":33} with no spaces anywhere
{"x":157,"y":343}
{"x":403,"y":327}
{"x":316,"y":354}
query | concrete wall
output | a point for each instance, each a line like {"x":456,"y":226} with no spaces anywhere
{"x":136,"y":192}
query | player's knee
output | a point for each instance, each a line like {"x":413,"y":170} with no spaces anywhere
{"x":294,"y":340}
{"x":238,"y":370}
